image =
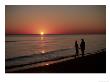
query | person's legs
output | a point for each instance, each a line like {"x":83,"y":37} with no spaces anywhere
{"x":77,"y":52}
{"x":82,"y":51}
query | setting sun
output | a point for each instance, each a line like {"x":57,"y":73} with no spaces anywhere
{"x":42,"y":33}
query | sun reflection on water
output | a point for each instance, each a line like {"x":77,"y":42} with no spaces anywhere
{"x":42,"y":51}
{"x":47,"y":64}
{"x":42,"y":44}
{"x":41,"y":38}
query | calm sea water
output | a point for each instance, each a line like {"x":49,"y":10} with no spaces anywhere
{"x":23,"y":49}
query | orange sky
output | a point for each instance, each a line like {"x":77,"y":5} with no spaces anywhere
{"x":55,"y":19}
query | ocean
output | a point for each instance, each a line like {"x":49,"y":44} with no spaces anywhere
{"x":22,"y":51}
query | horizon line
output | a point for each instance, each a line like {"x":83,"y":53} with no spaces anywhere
{"x":56,"y":34}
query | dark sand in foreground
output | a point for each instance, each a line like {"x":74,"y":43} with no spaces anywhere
{"x":94,"y":63}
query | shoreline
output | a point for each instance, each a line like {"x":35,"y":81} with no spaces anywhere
{"x":94,"y":63}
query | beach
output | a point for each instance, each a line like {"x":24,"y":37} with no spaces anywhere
{"x":93,"y":63}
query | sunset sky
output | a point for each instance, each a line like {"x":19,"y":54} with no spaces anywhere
{"x":67,"y":19}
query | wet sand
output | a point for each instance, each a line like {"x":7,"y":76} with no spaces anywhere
{"x":94,"y":63}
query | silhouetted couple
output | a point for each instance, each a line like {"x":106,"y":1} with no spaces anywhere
{"x":82,"y":47}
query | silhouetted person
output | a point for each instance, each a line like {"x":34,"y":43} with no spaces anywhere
{"x":76,"y":47}
{"x":82,"y":46}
